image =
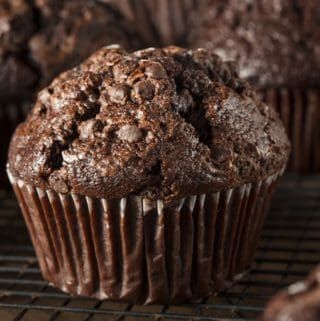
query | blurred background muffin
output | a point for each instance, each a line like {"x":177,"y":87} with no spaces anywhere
{"x":40,"y":39}
{"x":277,"y":43}
{"x":160,"y":22}
{"x":298,"y":302}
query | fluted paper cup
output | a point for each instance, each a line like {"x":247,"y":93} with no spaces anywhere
{"x":162,"y":22}
{"x":299,"y":110}
{"x":140,"y":251}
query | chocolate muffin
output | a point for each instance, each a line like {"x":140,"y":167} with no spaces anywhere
{"x":299,"y":302}
{"x":146,"y":177}
{"x":38,"y":40}
{"x":277,"y":44}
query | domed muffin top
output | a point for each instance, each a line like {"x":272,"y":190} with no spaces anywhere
{"x":41,"y":38}
{"x":276,"y":42}
{"x":161,"y":123}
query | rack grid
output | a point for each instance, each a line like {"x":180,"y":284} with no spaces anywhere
{"x":289,"y":248}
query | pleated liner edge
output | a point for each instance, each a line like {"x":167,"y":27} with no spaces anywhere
{"x":137,"y":251}
{"x":299,"y":110}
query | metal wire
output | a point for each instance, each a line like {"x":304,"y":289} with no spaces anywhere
{"x":288,"y":250}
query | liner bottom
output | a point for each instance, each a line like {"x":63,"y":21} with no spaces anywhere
{"x":143,"y":252}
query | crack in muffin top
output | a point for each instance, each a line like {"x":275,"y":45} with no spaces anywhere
{"x":160,"y":123}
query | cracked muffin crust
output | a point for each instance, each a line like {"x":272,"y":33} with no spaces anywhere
{"x":161,"y":123}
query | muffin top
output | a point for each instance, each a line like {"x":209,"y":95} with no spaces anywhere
{"x":160,"y":123}
{"x":300,"y":301}
{"x":40,"y":38}
{"x":276,"y":42}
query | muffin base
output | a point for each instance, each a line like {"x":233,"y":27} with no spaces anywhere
{"x":142,"y":252}
{"x":300,"y":113}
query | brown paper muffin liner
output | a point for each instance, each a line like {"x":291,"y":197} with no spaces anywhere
{"x":10,"y":116}
{"x":299,"y":109}
{"x":160,"y":22}
{"x":170,"y":18}
{"x":138,"y":251}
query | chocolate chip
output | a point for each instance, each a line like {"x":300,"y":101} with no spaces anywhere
{"x":144,"y":90}
{"x":135,"y":77}
{"x":155,"y":70}
{"x":129,"y":133}
{"x":219,"y":154}
{"x":124,"y":68}
{"x":119,"y":93}
{"x":88,"y":128}
{"x":112,"y":58}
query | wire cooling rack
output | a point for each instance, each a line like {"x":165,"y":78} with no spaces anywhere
{"x":288,"y":250}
